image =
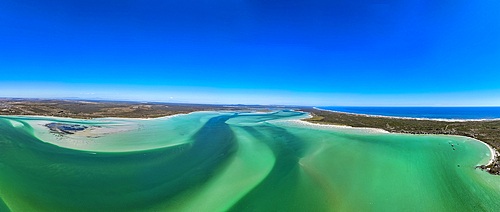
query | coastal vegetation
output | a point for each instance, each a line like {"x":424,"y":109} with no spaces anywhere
{"x":487,"y":131}
{"x":99,"y":109}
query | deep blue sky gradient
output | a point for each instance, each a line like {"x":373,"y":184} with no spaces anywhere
{"x":357,"y":52}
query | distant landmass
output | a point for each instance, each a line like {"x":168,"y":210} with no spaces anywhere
{"x":424,"y":112}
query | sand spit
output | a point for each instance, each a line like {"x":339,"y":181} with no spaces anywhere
{"x":306,"y":123}
{"x":99,"y":131}
{"x":373,"y":130}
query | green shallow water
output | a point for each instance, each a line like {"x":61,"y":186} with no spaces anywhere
{"x":227,"y":161}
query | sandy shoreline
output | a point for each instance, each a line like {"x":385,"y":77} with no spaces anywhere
{"x":397,"y":117}
{"x":493,"y":152}
{"x":302,"y":122}
{"x":38,"y":116}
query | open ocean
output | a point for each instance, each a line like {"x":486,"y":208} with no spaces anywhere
{"x":424,"y":112}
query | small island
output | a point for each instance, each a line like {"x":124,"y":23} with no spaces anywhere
{"x":61,"y":128}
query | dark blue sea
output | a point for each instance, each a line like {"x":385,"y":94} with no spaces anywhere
{"x":424,"y":112}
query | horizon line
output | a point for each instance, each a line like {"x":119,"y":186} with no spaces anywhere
{"x":294,"y":105}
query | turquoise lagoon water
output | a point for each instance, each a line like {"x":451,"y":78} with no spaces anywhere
{"x":229,"y":161}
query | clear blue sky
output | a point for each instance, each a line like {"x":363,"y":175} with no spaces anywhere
{"x":351,"y":52}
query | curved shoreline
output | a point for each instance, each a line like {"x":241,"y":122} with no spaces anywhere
{"x":398,"y":117}
{"x":493,"y":152}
